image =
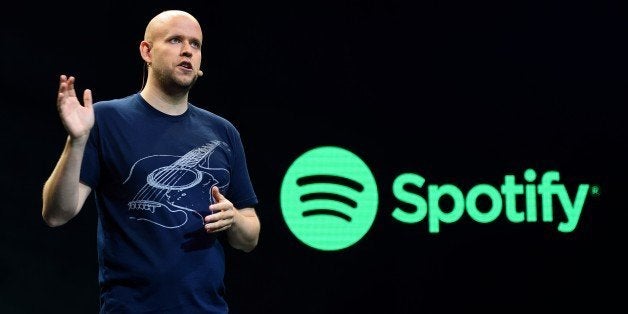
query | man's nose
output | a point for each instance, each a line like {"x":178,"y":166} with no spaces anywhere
{"x":186,"y":49}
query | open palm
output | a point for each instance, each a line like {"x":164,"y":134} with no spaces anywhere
{"x":77,"y":119}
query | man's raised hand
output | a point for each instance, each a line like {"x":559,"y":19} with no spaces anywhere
{"x":77,"y":119}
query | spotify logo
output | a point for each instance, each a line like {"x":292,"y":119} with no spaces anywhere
{"x":329,"y":198}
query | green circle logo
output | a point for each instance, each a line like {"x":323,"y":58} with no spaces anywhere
{"x":329,"y":198}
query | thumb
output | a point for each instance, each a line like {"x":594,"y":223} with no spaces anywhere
{"x":216,"y":194}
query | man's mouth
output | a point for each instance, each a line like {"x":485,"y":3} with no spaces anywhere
{"x":187,"y":66}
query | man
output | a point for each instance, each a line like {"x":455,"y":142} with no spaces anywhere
{"x":168,"y":178}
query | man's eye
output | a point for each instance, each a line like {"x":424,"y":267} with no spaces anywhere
{"x":196,"y":45}
{"x":175,"y":40}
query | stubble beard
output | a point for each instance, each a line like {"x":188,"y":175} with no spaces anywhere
{"x":173,"y":84}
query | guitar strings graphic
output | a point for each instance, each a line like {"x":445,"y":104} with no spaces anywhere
{"x":178,"y":177}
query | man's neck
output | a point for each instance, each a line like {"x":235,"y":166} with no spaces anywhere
{"x":173,"y":105}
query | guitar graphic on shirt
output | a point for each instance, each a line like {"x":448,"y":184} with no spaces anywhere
{"x":178,"y":185}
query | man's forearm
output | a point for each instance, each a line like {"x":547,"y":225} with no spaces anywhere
{"x":61,"y":196}
{"x":244,"y":233}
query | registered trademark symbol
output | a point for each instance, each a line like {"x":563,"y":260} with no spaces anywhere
{"x":595,"y":190}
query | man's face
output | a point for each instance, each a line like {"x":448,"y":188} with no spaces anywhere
{"x":176,"y":52}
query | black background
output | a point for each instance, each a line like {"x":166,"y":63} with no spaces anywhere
{"x":460,"y":92}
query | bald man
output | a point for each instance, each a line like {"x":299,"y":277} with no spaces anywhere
{"x":169,"y":178}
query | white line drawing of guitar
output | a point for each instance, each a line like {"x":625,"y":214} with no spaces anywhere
{"x":163,"y":200}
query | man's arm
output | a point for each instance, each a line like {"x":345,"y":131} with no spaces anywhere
{"x":63,"y":194}
{"x":242,"y":225}
{"x":244,"y":232}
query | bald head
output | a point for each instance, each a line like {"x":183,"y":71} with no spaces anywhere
{"x":171,"y":50}
{"x":161,"y":20}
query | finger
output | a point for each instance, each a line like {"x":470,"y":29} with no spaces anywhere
{"x":71,"y":91}
{"x":60,"y":98}
{"x":87,"y":98}
{"x":217,"y":198}
{"x":216,"y":194}
{"x":211,"y":228}
{"x":213,"y":217}
{"x":62,"y":80}
{"x":219,"y":214}
{"x":220,"y":229}
{"x":63,"y":86}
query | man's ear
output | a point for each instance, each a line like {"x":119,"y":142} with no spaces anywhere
{"x":145,"y":52}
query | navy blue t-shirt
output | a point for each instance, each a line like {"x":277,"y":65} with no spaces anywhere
{"x":151,"y":174}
